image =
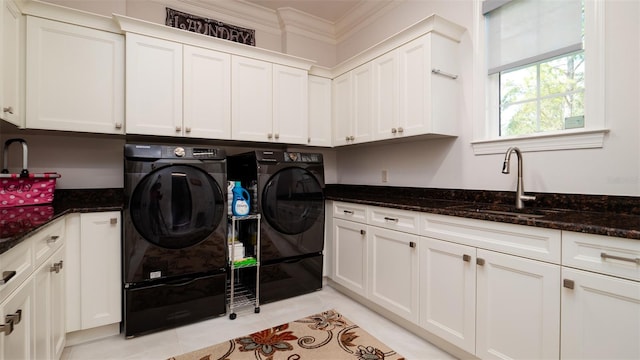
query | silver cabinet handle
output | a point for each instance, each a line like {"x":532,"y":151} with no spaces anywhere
{"x":440,"y":72}
{"x":52,"y":239}
{"x":8,"y":109}
{"x":607,"y":256}
{"x":56,"y":267}
{"x":348,"y":212}
{"x":391,"y":219}
{"x":393,"y":130}
{"x":6,"y":276}
{"x":466,"y":258}
{"x":10,"y":321}
{"x":118,"y":125}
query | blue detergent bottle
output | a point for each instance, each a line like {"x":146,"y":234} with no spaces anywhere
{"x":241,"y":200}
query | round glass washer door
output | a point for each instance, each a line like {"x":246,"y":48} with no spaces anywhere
{"x":177,"y":206}
{"x":292,"y":201}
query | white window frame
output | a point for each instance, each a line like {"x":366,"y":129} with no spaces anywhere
{"x":486,"y":139}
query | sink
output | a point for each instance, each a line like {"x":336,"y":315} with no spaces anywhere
{"x":511,"y":211}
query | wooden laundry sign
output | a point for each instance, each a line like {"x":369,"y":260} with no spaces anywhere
{"x":214,"y":28}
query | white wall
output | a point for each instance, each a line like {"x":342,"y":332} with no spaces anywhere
{"x":614,"y":169}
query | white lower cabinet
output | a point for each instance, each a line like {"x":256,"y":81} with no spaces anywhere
{"x":393,"y":271}
{"x":600,"y":316}
{"x":32,"y":315}
{"x":49,"y":308}
{"x":93,"y":291}
{"x":16,"y":313}
{"x":518,"y":309}
{"x":448,"y":291}
{"x":350,"y":255}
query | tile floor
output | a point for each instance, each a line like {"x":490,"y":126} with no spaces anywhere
{"x":162,"y":345}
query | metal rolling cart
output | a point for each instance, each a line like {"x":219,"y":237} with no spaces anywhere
{"x":240,"y":295}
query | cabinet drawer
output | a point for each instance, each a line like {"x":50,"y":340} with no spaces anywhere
{"x":603,"y":254}
{"x":395,"y":219}
{"x":349,"y":211}
{"x":47,"y":240}
{"x":15,"y":266}
{"x":520,"y":240}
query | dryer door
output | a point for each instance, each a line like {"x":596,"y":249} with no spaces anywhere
{"x":177,"y":206}
{"x":292,"y":201}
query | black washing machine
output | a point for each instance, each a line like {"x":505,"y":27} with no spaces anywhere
{"x":289,"y":189}
{"x":174,"y":253}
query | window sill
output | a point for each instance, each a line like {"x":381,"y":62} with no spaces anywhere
{"x":564,"y":140}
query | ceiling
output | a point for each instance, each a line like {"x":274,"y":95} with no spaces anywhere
{"x":330,"y":10}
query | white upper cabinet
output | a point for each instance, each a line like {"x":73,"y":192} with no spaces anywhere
{"x":269,"y":102}
{"x":206,"y":94}
{"x":408,"y":85}
{"x":177,"y":90}
{"x":353,"y":106}
{"x":154,"y":86}
{"x":12,"y":63}
{"x":319,"y":111}
{"x":74,"y":78}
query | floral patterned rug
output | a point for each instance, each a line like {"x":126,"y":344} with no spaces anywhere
{"x":327,"y":335}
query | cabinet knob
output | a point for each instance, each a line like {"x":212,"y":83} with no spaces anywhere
{"x":466,"y":258}
{"x":362,"y":232}
{"x":56,"y":267}
{"x":480,"y":261}
{"x":400,"y":130}
{"x":412,"y":244}
{"x":352,"y":137}
{"x":393,"y":130}
{"x":569,"y":284}
{"x":113,"y":221}
{"x":187,"y":129}
{"x":346,"y":138}
{"x":308,"y":140}
{"x":118,"y":125}
{"x":277,"y":136}
{"x":10,"y":321}
{"x":178,"y":128}
{"x":8,"y":109}
{"x":269,"y":136}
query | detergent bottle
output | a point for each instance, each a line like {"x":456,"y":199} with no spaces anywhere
{"x":240,"y":205}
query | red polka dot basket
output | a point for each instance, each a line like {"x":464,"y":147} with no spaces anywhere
{"x":25,"y":188}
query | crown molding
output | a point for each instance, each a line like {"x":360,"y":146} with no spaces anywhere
{"x":293,"y":21}
{"x":362,"y":15}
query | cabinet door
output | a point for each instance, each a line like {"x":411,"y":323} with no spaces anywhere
{"x":448,"y":291}
{"x":362,"y":103}
{"x":393,"y":271}
{"x":386,"y":97}
{"x":290,"y":105}
{"x":600,"y":316}
{"x":319,"y":111}
{"x":251,"y":99}
{"x":74,"y":78}
{"x":100,"y":280}
{"x":342,"y":109}
{"x":350,"y":255}
{"x":19,"y":343}
{"x":154,"y":86}
{"x":207,"y":93}
{"x":11,"y":63}
{"x":49,"y":308}
{"x":518,"y":307}
{"x":415,"y":99}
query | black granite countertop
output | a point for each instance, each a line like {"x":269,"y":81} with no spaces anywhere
{"x":593,"y":214}
{"x":17,"y":223}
